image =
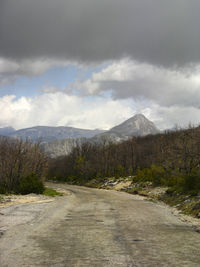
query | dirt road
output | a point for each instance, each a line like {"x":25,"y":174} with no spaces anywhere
{"x":93,"y":227}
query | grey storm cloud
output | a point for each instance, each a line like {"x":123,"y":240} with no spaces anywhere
{"x":155,"y":31}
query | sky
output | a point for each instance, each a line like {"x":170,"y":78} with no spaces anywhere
{"x":93,"y":64}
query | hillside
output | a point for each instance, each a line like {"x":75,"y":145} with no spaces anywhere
{"x":61,"y":147}
{"x":48,"y":134}
{"x":137,"y":125}
{"x":7,"y":131}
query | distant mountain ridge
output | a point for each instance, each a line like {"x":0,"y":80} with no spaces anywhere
{"x":7,"y":130}
{"x":137,"y":125}
{"x":59,"y":141}
{"x":48,"y":134}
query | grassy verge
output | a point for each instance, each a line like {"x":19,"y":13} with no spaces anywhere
{"x":50,"y":192}
{"x":1,"y":198}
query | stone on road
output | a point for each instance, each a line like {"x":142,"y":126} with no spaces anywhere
{"x":93,"y":227}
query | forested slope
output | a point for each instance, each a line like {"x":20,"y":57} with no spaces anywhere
{"x":174,"y":155}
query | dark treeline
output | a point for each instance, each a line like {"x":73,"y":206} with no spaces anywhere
{"x":174,"y":152}
{"x":22,"y":166}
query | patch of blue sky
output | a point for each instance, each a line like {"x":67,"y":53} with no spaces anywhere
{"x":58,"y":77}
{"x":87,"y":72}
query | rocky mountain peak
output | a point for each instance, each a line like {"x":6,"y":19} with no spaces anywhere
{"x":137,"y":125}
{"x":138,"y":116}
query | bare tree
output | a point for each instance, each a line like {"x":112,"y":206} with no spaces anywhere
{"x":19,"y":159}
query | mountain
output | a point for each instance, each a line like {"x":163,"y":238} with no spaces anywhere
{"x":138,"y":125}
{"x":48,"y":134}
{"x":6,"y":131}
{"x":58,"y":141}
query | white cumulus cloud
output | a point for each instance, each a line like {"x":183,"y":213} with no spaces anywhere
{"x":58,"y":109}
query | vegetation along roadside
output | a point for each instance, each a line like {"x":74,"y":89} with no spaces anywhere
{"x":164,"y":166}
{"x":23,"y":167}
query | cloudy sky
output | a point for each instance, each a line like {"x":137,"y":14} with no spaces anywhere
{"x":92,"y":64}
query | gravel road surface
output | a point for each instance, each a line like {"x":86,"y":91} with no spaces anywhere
{"x":92,"y":227}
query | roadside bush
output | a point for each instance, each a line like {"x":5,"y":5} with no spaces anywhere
{"x":156,"y":174}
{"x":143,"y":175}
{"x":119,"y":171}
{"x":175,"y":180}
{"x":3,"y":189}
{"x":30,"y":184}
{"x":191,"y":182}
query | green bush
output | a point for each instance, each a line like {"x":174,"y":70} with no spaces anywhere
{"x":3,"y":189}
{"x":175,"y":181}
{"x":30,"y":184}
{"x":143,"y":175}
{"x":119,"y":171}
{"x":156,"y":174}
{"x":191,"y":182}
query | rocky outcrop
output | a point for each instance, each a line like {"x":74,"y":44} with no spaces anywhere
{"x":61,"y":147}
